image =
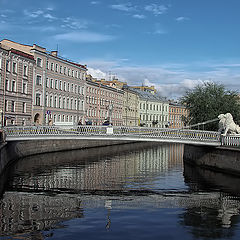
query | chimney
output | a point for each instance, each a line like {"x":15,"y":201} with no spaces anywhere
{"x":54,"y":53}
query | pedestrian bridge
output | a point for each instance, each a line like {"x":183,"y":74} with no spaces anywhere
{"x":184,"y":136}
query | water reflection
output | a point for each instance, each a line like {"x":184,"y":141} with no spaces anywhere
{"x":122,"y":192}
{"x":93,"y":169}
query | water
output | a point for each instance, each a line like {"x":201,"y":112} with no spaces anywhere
{"x":131,"y":191}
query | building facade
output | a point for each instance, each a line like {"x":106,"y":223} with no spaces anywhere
{"x":16,"y":82}
{"x":153,"y":109}
{"x":177,"y":113}
{"x":103,"y":103}
{"x":58,"y":86}
{"x":130,"y":108}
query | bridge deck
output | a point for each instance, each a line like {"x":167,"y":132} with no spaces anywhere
{"x":184,"y":136}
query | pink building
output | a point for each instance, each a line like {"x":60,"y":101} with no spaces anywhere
{"x":103,"y":103}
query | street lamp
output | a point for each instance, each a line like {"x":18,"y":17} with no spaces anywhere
{"x":1,"y":111}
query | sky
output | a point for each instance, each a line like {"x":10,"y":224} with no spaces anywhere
{"x":173,"y":45}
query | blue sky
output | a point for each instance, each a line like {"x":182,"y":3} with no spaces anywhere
{"x":172,"y":44}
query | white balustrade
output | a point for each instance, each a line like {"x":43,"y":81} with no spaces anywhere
{"x":119,"y":132}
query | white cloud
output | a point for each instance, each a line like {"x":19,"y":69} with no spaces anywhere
{"x":75,"y":24}
{"x":182,"y":19}
{"x":123,"y":7}
{"x":139,"y":16}
{"x":84,"y":37}
{"x":94,"y":2}
{"x":49,"y":16}
{"x":97,"y":73}
{"x":33,"y":14}
{"x":156,"y":9}
{"x":172,"y":80}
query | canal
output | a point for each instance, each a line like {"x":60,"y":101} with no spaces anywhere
{"x":131,"y":191}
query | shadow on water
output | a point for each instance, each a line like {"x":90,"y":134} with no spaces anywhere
{"x":209,"y":222}
{"x":201,"y":179}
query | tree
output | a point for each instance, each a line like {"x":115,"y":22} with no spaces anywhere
{"x":207,"y":101}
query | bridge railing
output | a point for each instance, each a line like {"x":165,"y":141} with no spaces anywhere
{"x":114,"y":132}
{"x":230,"y":140}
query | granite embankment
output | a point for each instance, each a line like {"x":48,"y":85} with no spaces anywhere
{"x":220,"y":159}
{"x":14,"y":150}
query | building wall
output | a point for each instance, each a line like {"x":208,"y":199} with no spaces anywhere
{"x":62,"y":90}
{"x":176,"y":113}
{"x":58,"y":86}
{"x":16,"y":80}
{"x":153,"y":112}
{"x":130,"y":108}
{"x":99,"y":99}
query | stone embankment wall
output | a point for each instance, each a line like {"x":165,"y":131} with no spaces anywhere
{"x":220,"y":159}
{"x":12,"y":151}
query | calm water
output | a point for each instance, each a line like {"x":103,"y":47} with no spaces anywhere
{"x":126,"y":192}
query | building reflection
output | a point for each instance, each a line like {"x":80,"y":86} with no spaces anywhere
{"x":94,"y":169}
{"x":37,"y":196}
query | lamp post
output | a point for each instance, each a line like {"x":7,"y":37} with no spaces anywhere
{"x":1,"y":111}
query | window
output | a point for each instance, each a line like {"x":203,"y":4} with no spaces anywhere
{"x":47,"y":65}
{"x":47,"y":82}
{"x":13,"y":86}
{"x":0,"y":62}
{"x":51,"y":83}
{"x":64,"y":86}
{"x":67,"y":103}
{"x":60,"y":85}
{"x":25,"y":70}
{"x":50,"y":101}
{"x":38,"y":99}
{"x":39,"y":62}
{"x":51,"y":67}
{"x":64,"y":102}
{"x":14,"y":67}
{"x":8,"y":66}
{"x":39,"y":80}
{"x":6,"y":105}
{"x":56,"y":67}
{"x":55,"y":102}
{"x":64,"y":70}
{"x":56,"y":84}
{"x":60,"y":69}
{"x":13,"y":106}
{"x":7,"y":85}
{"x":23,"y":107}
{"x":75,"y":104}
{"x":59,"y":102}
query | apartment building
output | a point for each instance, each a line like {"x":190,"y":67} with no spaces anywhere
{"x":103,"y":103}
{"x":153,"y":109}
{"x":177,"y":113}
{"x":130,"y":107}
{"x":16,"y":82}
{"x":58,"y":85}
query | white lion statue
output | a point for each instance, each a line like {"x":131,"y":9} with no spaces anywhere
{"x":227,"y":125}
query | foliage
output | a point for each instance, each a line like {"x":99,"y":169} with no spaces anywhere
{"x":207,"y":101}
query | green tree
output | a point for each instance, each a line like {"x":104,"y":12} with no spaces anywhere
{"x":207,"y":101}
